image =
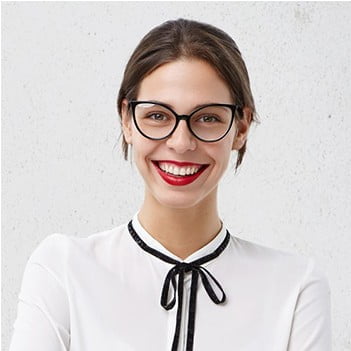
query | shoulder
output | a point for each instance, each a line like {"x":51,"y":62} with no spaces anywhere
{"x":58,"y":252}
{"x":280,"y":265}
{"x":254,"y":251}
{"x":59,"y":258}
{"x":50,"y":248}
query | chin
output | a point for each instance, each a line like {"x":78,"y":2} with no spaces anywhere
{"x":181,"y":200}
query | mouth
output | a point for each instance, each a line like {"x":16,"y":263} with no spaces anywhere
{"x":179,"y":173}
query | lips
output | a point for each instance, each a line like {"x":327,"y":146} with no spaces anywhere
{"x":179,"y":180}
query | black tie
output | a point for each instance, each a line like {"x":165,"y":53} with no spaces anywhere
{"x":179,"y":269}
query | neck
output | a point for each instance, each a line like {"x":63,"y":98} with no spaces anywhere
{"x":181,"y":231}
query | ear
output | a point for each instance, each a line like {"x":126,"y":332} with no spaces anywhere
{"x":242,"y":126}
{"x":126,"y":122}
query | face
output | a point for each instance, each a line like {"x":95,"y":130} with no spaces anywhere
{"x":182,"y":84}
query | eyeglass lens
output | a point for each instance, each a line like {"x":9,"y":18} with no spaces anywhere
{"x":208,"y":123}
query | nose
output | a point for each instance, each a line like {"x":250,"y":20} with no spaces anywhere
{"x":181,"y":139}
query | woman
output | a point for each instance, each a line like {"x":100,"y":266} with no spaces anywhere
{"x":174,"y":278}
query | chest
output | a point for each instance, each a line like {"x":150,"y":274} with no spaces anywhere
{"x":123,"y":312}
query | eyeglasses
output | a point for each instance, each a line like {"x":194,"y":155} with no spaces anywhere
{"x":207,"y":123}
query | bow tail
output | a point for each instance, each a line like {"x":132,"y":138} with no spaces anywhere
{"x":192,"y":310}
{"x":179,"y":310}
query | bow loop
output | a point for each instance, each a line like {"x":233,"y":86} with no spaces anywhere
{"x":181,"y":267}
{"x":165,"y":290}
{"x":211,"y":293}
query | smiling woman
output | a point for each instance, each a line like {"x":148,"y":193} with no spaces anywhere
{"x":183,"y":84}
{"x":174,"y":277}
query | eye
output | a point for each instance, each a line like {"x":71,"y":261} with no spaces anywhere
{"x":157,"y":116}
{"x":209,"y":119}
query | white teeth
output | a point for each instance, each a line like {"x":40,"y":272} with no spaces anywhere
{"x":173,"y":169}
{"x":176,"y":170}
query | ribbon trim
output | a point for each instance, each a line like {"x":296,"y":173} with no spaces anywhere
{"x":179,"y":269}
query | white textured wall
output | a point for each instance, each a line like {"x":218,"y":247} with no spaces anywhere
{"x":63,"y":171}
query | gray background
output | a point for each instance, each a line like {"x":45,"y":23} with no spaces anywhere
{"x":63,"y":170}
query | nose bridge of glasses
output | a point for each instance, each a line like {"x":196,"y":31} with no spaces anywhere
{"x":181,"y":118}
{"x":182,"y":138}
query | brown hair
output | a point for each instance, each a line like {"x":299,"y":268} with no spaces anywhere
{"x":191,"y":39}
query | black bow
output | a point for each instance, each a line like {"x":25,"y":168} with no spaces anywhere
{"x":180,"y":269}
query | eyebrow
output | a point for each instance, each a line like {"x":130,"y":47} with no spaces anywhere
{"x":194,"y":108}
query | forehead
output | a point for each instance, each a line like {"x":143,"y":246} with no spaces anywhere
{"x":185,"y":83}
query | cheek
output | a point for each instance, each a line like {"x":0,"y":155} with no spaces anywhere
{"x":221,"y":151}
{"x":142,"y":149}
{"x":223,"y":157}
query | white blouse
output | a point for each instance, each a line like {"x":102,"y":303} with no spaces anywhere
{"x":121,"y":289}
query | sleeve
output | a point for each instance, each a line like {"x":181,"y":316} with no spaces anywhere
{"x":311,"y":326}
{"x":42,"y":322}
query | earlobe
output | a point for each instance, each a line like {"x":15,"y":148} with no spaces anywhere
{"x":126,"y":122}
{"x":242,"y":129}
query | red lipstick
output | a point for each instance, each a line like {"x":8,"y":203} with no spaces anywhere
{"x":179,"y":180}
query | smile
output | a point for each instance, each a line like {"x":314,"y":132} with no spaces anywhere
{"x":179,"y":173}
{"x":175,"y":170}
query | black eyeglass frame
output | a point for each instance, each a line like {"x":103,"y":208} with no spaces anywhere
{"x":133,"y":103}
